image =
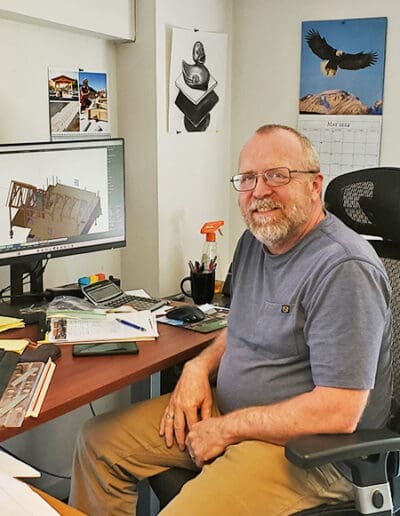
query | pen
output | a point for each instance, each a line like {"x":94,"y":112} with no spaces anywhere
{"x":131,"y":324}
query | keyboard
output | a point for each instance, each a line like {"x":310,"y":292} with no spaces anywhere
{"x":136,"y":302}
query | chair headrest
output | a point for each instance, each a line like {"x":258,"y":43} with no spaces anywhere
{"x":368,"y":201}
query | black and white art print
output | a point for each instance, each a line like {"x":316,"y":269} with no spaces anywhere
{"x":197,"y":81}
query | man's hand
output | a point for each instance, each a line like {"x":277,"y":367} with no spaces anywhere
{"x":208,"y":439}
{"x":190,"y":402}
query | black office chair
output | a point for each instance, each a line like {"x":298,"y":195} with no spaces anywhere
{"x":368,"y":201}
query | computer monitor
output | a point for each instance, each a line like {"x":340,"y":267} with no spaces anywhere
{"x":57,"y":199}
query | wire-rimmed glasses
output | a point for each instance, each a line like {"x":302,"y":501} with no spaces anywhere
{"x":274,"y":177}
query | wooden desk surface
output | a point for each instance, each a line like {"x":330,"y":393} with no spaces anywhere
{"x":62,"y":508}
{"x":79,"y":380}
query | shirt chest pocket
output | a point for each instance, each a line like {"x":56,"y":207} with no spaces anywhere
{"x":278,"y":330}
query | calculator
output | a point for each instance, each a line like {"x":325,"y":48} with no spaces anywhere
{"x":107,"y":294}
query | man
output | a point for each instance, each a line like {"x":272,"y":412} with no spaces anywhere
{"x":306,"y":351}
{"x":85,"y":95}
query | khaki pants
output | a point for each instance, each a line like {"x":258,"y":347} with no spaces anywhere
{"x":252,"y":478}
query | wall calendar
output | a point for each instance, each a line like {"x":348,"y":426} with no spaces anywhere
{"x":343,"y":143}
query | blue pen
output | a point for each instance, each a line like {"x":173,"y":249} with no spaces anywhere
{"x":131,"y":324}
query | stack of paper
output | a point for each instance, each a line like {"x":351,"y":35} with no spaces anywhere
{"x":8,"y":323}
{"x":129,"y":326}
{"x":17,"y":345}
{"x":16,"y":497}
{"x":16,"y":468}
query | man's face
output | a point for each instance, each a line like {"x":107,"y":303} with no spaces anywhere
{"x":277,"y":215}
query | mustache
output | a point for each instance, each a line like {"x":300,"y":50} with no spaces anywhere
{"x":263,"y":204}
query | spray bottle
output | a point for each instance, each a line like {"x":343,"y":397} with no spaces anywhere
{"x":209,"y":255}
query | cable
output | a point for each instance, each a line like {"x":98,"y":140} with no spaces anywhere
{"x":45,"y":472}
{"x":92,"y":409}
{"x":5,"y":290}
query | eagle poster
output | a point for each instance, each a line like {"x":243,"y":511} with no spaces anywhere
{"x":342,"y":67}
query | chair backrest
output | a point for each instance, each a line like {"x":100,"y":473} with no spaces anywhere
{"x":368,"y":201}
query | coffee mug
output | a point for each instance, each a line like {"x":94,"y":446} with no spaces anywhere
{"x":202,"y":286}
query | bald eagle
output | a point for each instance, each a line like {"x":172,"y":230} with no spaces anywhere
{"x":333,"y":58}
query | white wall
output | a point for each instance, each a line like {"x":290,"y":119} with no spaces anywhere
{"x":266,"y":68}
{"x":196,"y":164}
{"x":113,"y":19}
{"x":163,"y":223}
{"x":137,"y":122}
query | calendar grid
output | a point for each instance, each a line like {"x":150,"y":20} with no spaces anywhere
{"x":343,"y":143}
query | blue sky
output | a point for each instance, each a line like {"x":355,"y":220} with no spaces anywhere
{"x":351,"y":36}
{"x":97,"y":81}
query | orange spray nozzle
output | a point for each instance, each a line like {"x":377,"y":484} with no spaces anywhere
{"x":210,"y":228}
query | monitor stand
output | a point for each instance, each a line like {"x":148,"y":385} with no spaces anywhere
{"x":25,"y":305}
{"x":22,"y":273}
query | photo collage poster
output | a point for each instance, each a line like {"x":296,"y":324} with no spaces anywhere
{"x":78,"y":104}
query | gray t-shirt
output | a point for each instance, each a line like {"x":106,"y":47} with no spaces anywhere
{"x":316,"y":315}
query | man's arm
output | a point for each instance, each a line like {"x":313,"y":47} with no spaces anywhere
{"x":191,"y":399}
{"x":323,"y":410}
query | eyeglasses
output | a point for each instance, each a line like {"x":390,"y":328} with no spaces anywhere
{"x":274,"y":177}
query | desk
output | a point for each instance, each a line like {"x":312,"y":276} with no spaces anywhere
{"x":62,"y":508}
{"x":78,"y":381}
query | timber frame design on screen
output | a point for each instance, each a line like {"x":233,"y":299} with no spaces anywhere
{"x":58,"y":199}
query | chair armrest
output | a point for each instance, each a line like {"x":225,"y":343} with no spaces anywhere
{"x":319,"y":449}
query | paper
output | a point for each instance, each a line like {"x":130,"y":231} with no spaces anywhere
{"x":16,"y":468}
{"x":18,"y":499}
{"x":77,"y":314}
{"x":108,"y":329}
{"x":8,"y":323}
{"x":17,"y":345}
{"x":138,"y":292}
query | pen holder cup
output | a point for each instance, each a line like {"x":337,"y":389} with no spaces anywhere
{"x":202,"y":286}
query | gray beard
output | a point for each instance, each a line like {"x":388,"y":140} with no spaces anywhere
{"x":273,"y":233}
